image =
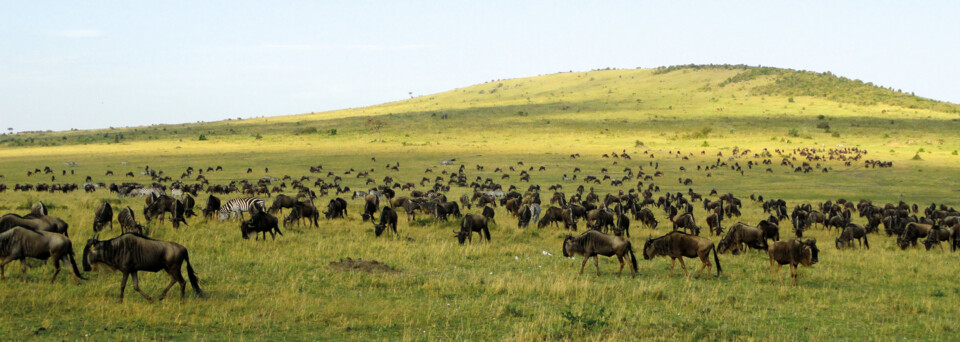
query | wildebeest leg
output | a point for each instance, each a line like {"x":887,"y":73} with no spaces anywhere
{"x":596,"y":262}
{"x":584,"y":264}
{"x":673,"y":262}
{"x":705,"y":261}
{"x":793,"y":274}
{"x":4,"y":263}
{"x":56,"y":268}
{"x":621,"y":265}
{"x":684,"y":266}
{"x":779,"y":277}
{"x":173,"y":280}
{"x":136,"y":286}
{"x":123,"y":285}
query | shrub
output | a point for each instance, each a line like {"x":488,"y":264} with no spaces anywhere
{"x":705,"y":144}
{"x":305,"y":130}
{"x":835,"y":134}
{"x":823,"y":125}
{"x":332,"y":131}
{"x":258,"y":137}
{"x":790,"y":99}
{"x":917,"y":157}
{"x":794,"y":132}
{"x":954,"y":152}
{"x":202,"y":138}
{"x":821,"y":117}
{"x":637,"y":143}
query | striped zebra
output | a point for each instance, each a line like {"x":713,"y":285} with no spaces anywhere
{"x":237,"y":206}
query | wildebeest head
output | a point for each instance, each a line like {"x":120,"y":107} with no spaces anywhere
{"x":809,"y":252}
{"x":91,"y":253}
{"x":461,"y":236}
{"x":566,"y":242}
{"x":649,"y":250}
{"x":379,"y":228}
{"x":245,"y":228}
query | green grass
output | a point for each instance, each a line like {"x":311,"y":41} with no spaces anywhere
{"x":510,"y":289}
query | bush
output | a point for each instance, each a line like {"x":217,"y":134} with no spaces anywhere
{"x":823,"y":125}
{"x":917,"y":157}
{"x":332,"y":131}
{"x":790,"y":99}
{"x":202,"y":138}
{"x":821,"y":117}
{"x":637,"y":143}
{"x":794,"y":132}
{"x":705,"y":144}
{"x":835,"y":134}
{"x":954,"y":152}
{"x":305,"y":130}
{"x":258,"y":137}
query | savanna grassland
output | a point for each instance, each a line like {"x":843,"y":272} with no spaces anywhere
{"x":517,"y":287}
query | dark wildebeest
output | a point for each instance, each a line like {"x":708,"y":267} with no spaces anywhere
{"x":20,"y":243}
{"x":306,"y":210}
{"x":102,"y":216}
{"x":130,"y":253}
{"x":678,"y":245}
{"x":792,"y":252}
{"x":852,"y":232}
{"x":489,"y":214}
{"x":623,"y":225}
{"x":260,"y":222}
{"x":911,"y":232}
{"x":593,"y":244}
{"x":600,"y":219}
{"x":465,"y":201}
{"x":769,"y":229}
{"x":388,"y":219}
{"x":45,"y":223}
{"x":280,"y":202}
{"x":451,"y":208}
{"x":740,"y":234}
{"x":686,"y":222}
{"x":524,"y":216}
{"x":646,"y":217}
{"x":552,"y":215}
{"x":370,"y":205}
{"x":713,"y":223}
{"x":128,"y":223}
{"x":213,"y":206}
{"x":472,"y":223}
{"x":936,"y":235}
{"x":165,"y":204}
{"x":188,"y":205}
{"x":411,"y":207}
{"x":337,"y":208}
{"x":570,"y":222}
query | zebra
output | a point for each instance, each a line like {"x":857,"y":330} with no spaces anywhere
{"x":237,"y":206}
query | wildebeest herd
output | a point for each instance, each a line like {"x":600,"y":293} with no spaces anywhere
{"x":607,"y":217}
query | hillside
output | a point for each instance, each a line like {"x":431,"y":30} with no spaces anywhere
{"x":696,"y":103}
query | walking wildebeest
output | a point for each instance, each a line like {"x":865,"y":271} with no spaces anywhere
{"x":552,"y":215}
{"x":130,"y":253}
{"x":489,"y":213}
{"x":388,"y":219}
{"x":678,"y":245}
{"x":102,"y":216}
{"x":593,"y":244}
{"x":45,"y":223}
{"x":213,"y":206}
{"x":280,"y":202}
{"x":852,"y":232}
{"x":20,"y":243}
{"x":792,"y":252}
{"x":260,"y":222}
{"x":472,"y":223}
{"x":741,"y":234}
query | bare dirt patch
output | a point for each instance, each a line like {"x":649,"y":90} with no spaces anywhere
{"x":359,"y":265}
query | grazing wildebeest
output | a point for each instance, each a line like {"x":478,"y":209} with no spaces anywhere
{"x":623,"y":225}
{"x":465,"y":201}
{"x":188,"y":205}
{"x":792,"y":252}
{"x":593,"y":244}
{"x":20,"y":243}
{"x":472,"y":223}
{"x":411,"y":207}
{"x":128,"y":223}
{"x":303,"y":210}
{"x":570,"y":222}
{"x":740,"y":234}
{"x":552,"y":215}
{"x":686,"y":222}
{"x":213,"y":206}
{"x":911,"y":232}
{"x":337,"y":208}
{"x":388,"y":219}
{"x":260,"y":222}
{"x":646,"y":217}
{"x":769,"y":229}
{"x":852,"y":232}
{"x":523,"y":216}
{"x":600,"y":219}
{"x":45,"y":223}
{"x":166,"y":204}
{"x":280,"y":202}
{"x":713,"y":223}
{"x":936,"y":235}
{"x":130,"y":253}
{"x":370,"y":205}
{"x":678,"y":245}
{"x":102,"y":216}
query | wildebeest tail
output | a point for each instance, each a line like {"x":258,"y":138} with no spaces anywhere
{"x":955,"y":240}
{"x":716,"y":260}
{"x":73,"y":262}
{"x":486,"y":233}
{"x":633,"y":258}
{"x":865,"y":242}
{"x":192,"y":275}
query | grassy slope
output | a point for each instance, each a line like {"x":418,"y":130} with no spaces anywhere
{"x":509,"y":289}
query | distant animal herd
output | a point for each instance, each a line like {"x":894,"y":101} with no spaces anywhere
{"x":606,"y":218}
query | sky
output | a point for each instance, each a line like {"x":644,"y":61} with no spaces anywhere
{"x":96,"y":64}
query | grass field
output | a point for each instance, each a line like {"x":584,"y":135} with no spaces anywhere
{"x":518,"y":287}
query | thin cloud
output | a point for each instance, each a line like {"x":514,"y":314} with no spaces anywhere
{"x":82,"y":33}
{"x":355,"y":47}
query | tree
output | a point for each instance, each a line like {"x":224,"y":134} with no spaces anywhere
{"x":376,"y":125}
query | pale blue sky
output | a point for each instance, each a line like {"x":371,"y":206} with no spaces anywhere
{"x":93,"y":64}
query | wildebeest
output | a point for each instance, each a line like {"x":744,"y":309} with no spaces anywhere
{"x":213,"y":206}
{"x":280,"y":202}
{"x":686,"y":222}
{"x":552,"y":215}
{"x":260,"y":222}
{"x":792,"y":252}
{"x":911,"y":232}
{"x":188,"y":204}
{"x":128,"y":223}
{"x":20,"y":243}
{"x":769,"y":229}
{"x":646,"y":217}
{"x":166,"y":204}
{"x":678,"y":245}
{"x":936,"y":235}
{"x":489,"y":214}
{"x":523,"y":216}
{"x":593,"y":244}
{"x":472,"y":223}
{"x":102,"y":216}
{"x":370,"y":205}
{"x":741,"y":234}
{"x":852,"y":232}
{"x":130,"y":253}
{"x":388,"y":219}
{"x":337,"y":208}
{"x":45,"y":223}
